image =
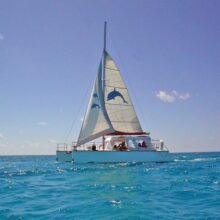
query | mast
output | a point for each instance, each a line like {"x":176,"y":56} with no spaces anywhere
{"x":105,"y":27}
{"x":103,"y":74}
{"x":103,"y":60}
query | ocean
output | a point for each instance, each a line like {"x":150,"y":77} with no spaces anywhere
{"x":38,"y":187}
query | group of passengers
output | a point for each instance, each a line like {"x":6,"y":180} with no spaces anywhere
{"x":122,"y":146}
{"x":143,"y":144}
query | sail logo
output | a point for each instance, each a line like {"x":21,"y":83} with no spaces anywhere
{"x":94,"y":105}
{"x":95,"y":95}
{"x":113,"y":94}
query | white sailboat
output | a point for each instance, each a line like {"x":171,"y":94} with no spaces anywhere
{"x":110,"y":115}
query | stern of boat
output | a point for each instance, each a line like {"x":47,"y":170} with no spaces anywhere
{"x":63,"y":153}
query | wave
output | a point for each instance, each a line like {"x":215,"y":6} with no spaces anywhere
{"x":115,"y":201}
{"x":151,"y":169}
{"x":198,"y":159}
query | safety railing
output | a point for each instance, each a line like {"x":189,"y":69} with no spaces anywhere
{"x":63,"y":147}
{"x":88,"y":146}
{"x":158,"y":145}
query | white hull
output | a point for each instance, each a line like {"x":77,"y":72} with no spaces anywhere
{"x":120,"y":156}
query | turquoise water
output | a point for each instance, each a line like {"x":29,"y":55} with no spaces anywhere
{"x":37,"y":187}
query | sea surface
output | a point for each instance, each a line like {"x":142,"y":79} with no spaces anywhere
{"x":38,"y":187}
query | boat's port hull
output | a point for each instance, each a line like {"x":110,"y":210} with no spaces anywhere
{"x":64,"y":156}
{"x":120,"y":156}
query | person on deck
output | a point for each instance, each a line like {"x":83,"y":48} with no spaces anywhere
{"x":143,"y":144}
{"x":94,"y":147}
{"x":122,"y":146}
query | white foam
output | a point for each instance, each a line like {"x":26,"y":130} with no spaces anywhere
{"x":115,"y":201}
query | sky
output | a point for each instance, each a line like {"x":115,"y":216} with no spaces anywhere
{"x":168,"y":53}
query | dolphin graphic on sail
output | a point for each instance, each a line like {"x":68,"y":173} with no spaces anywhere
{"x":114,"y":94}
{"x":95,"y":95}
{"x":94,"y":105}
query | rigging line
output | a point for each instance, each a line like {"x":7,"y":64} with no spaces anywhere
{"x":80,"y":107}
{"x":129,"y":84}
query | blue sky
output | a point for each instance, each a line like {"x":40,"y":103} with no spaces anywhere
{"x":168,"y":53}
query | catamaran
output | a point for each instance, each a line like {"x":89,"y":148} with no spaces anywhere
{"x":111,"y":116}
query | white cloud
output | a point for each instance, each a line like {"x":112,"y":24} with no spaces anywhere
{"x":2,"y":145}
{"x":165,"y":97}
{"x":3,"y":141}
{"x":52,"y":141}
{"x":184,"y":96}
{"x":212,"y":138}
{"x":1,"y":136}
{"x":1,"y":37}
{"x":31,"y":144}
{"x":171,"y":97}
{"x":42,"y":123}
{"x":175,"y":92}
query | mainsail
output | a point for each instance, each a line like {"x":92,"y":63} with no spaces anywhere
{"x":118,"y":103}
